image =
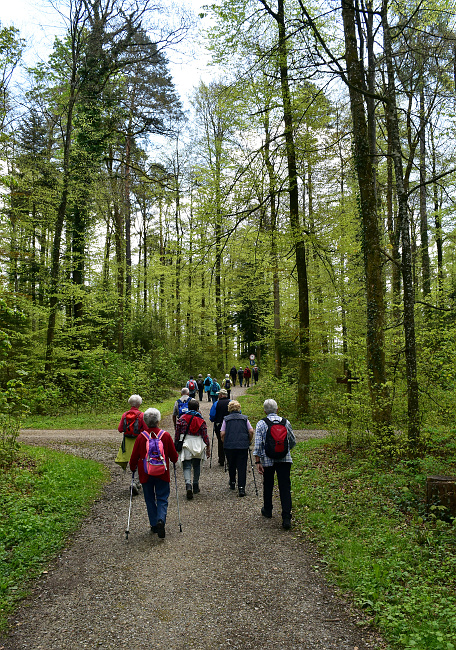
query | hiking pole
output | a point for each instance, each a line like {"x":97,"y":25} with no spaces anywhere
{"x":253,"y":471}
{"x":212,"y":446}
{"x":129,"y":509}
{"x":177,"y":498}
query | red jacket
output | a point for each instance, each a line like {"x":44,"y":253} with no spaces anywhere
{"x":247,"y":373}
{"x":139,"y":453}
{"x":142,"y":426}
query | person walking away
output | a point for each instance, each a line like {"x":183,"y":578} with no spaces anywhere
{"x":131,"y":424}
{"x":156,"y":489}
{"x":240,"y":375}
{"x":180,"y":405}
{"x":237,"y":434}
{"x":191,"y":431}
{"x":207,"y":386}
{"x":233,"y":373}
{"x":247,"y":375}
{"x":200,"y":384}
{"x":255,"y":374}
{"x":215,"y":389}
{"x":273,"y":457}
{"x":227,"y":385}
{"x":192,"y":387}
{"x":218,"y":411}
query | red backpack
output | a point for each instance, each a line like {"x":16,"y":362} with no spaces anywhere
{"x":276,"y":440}
{"x":192,"y":386}
{"x":131,"y":424}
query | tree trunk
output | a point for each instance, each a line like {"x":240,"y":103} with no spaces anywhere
{"x":424,"y":237}
{"x":381,"y":404}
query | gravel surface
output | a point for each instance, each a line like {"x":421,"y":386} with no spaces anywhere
{"x":230,"y":579}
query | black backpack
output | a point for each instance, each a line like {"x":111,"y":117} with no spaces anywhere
{"x":276,"y":440}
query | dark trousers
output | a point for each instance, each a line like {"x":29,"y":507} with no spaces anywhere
{"x":233,"y":379}
{"x":237,"y":461}
{"x":221,"y":451}
{"x":283,"y":479}
{"x":200,"y":392}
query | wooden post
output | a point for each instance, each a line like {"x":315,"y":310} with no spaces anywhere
{"x":441,"y":491}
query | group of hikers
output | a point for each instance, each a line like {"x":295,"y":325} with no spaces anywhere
{"x":210,"y":386}
{"x":149,"y":449}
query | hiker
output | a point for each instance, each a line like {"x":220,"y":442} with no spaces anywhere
{"x":240,"y":375}
{"x":218,"y":411}
{"x":236,"y":433}
{"x":131,"y":424}
{"x":191,"y":432}
{"x":255,"y":374}
{"x":181,"y":405}
{"x":215,"y":389}
{"x":155,"y":488}
{"x":247,"y":375}
{"x":278,"y":461}
{"x":207,"y":386}
{"x":192,"y":387}
{"x":233,"y":373}
{"x":200,"y":384}
{"x":227,"y":385}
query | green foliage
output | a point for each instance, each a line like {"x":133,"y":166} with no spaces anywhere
{"x":44,"y":496}
{"x":378,"y":539}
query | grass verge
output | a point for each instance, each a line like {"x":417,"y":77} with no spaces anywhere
{"x":44,"y":496}
{"x":91,"y":419}
{"x":379,"y":542}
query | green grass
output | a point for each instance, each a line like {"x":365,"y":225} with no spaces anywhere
{"x":90,"y":419}
{"x":378,"y":541}
{"x":44,"y":496}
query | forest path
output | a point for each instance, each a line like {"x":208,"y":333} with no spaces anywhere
{"x":231,"y":579}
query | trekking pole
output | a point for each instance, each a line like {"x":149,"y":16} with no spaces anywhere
{"x":177,"y":498}
{"x":253,"y":471}
{"x":212,"y":446}
{"x":129,"y":509}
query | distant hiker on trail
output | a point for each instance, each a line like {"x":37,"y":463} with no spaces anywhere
{"x":192,"y":387}
{"x":237,"y":434}
{"x":227,"y":385}
{"x":218,"y":411}
{"x":240,"y":375}
{"x":192,"y":442}
{"x":155,"y":488}
{"x":207,"y":386}
{"x":247,"y":375}
{"x":180,"y":405}
{"x":233,"y":373}
{"x":131,"y":424}
{"x":274,"y":438}
{"x":255,"y":374}
{"x":200,"y":384}
{"x":215,"y":389}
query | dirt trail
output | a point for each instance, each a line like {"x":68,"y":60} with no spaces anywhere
{"x":231,"y":579}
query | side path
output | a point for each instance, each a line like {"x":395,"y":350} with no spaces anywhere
{"x":231,"y":579}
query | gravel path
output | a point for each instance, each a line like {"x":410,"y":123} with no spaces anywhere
{"x":231,"y":579}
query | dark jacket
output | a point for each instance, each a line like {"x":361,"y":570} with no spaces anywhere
{"x":236,"y":432}
{"x":221,"y":409}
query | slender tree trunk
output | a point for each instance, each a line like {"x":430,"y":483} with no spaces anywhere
{"x":298,"y":239}
{"x":403,"y":217}
{"x":424,"y":237}
{"x":437,"y":220}
{"x":381,"y":405}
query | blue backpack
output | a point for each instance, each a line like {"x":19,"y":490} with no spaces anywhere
{"x":182,"y":406}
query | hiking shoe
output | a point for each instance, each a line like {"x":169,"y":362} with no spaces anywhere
{"x":266,"y":513}
{"x":189,"y":492}
{"x":286,"y":523}
{"x":232,"y":486}
{"x":154,"y":529}
{"x":242,"y":491}
{"x":196,"y":489}
{"x":161,"y":528}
